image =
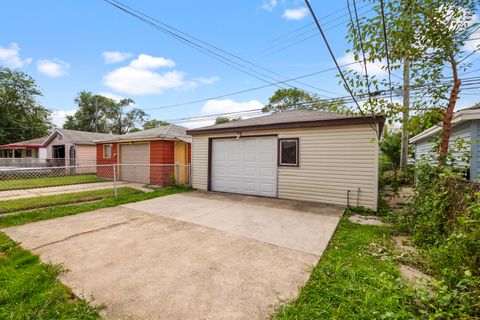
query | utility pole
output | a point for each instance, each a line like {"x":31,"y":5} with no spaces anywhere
{"x":406,"y":113}
{"x":96,"y":111}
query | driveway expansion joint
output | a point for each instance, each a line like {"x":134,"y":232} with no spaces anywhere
{"x":111,"y":226}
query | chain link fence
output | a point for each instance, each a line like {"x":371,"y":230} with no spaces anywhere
{"x":91,"y":181}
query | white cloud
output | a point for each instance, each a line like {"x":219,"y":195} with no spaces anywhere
{"x":134,"y":81}
{"x":223,"y":106}
{"x":58,"y":117}
{"x":269,"y":5}
{"x":53,"y":68}
{"x":374,"y":69}
{"x":113,"y":96}
{"x":295,"y":14}
{"x":197,"y":124}
{"x":115,"y":56}
{"x":145,"y":61}
{"x":138,"y":79}
{"x":209,"y":80}
{"x":10,"y":56}
{"x":227,"y":105}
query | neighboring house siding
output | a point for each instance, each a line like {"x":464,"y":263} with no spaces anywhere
{"x":332,"y":161}
{"x":423,"y":148}
{"x":102,"y":169}
{"x":475,"y":147}
{"x":56,"y":141}
{"x":161,"y":152}
{"x":86,"y":155}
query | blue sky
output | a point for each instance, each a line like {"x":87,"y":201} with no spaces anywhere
{"x":69,"y":46}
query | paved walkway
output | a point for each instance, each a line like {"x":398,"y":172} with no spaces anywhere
{"x":48,"y":191}
{"x":187,"y":256}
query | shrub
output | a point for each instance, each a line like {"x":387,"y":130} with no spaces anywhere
{"x":443,"y":219}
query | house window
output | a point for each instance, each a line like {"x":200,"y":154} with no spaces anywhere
{"x":107,"y":150}
{"x":28,"y":153}
{"x":288,"y":152}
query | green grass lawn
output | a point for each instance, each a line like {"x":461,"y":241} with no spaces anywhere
{"x":8,"y":206}
{"x":30,"y":183}
{"x":30,"y":289}
{"x":66,"y":210}
{"x":355,"y":279}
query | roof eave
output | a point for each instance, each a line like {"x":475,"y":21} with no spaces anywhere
{"x":459,"y":117}
{"x":137,"y":139}
{"x":289,"y":125}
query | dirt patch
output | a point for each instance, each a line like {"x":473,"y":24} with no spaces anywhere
{"x":367,"y":220}
{"x":402,"y":244}
{"x":414,"y":276}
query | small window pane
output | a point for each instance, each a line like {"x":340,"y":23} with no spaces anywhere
{"x":107,"y":151}
{"x":28,"y":153}
{"x":288,"y":155}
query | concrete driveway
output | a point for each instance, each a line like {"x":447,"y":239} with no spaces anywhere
{"x":187,"y":256}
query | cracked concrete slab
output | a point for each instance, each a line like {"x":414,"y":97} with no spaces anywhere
{"x":144,"y":265}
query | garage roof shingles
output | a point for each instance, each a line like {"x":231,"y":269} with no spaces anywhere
{"x":289,"y":119}
{"x":168,"y":132}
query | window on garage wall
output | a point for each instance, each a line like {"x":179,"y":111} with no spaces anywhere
{"x":288,"y":151}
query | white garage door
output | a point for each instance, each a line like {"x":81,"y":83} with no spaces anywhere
{"x":245,"y":165}
{"x":135,"y":160}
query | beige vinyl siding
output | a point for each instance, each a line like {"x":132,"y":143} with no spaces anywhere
{"x":86,"y":155}
{"x":200,"y":162}
{"x":332,"y":161}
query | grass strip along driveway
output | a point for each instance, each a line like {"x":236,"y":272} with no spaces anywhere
{"x":30,"y":289}
{"x":8,"y":206}
{"x":358,"y":278}
{"x":16,"y":184}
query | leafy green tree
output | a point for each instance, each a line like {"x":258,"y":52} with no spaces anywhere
{"x":154,"y":123}
{"x":296,"y":99}
{"x":92,"y":113}
{"x":21,"y":116}
{"x":390,"y":146}
{"x":220,"y":120}
{"x":429,"y":35}
{"x":122,"y":121}
{"x":422,"y":121}
{"x":96,"y":113}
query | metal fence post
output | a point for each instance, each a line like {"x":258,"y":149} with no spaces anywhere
{"x":114,"y":181}
{"x":177,"y":174}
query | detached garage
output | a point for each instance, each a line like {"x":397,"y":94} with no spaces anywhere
{"x":152,"y":156}
{"x":300,"y":155}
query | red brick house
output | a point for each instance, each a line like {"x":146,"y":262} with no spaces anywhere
{"x":154,"y":156}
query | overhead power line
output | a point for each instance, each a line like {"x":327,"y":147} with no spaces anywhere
{"x":295,"y":34}
{"x":336,"y":63}
{"x":311,"y":33}
{"x":212,"y":50}
{"x":246,"y":90}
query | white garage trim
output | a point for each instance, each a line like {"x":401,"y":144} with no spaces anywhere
{"x":246,"y":165}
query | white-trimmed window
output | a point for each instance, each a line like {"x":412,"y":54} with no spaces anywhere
{"x":107,"y":150}
{"x":288,"y":151}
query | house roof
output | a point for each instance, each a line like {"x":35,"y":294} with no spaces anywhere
{"x":289,"y":119}
{"x":78,"y":137}
{"x":461,"y":116}
{"x":168,"y":132}
{"x":31,"y":144}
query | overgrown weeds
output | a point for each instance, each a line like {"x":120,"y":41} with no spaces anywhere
{"x":443,"y":220}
